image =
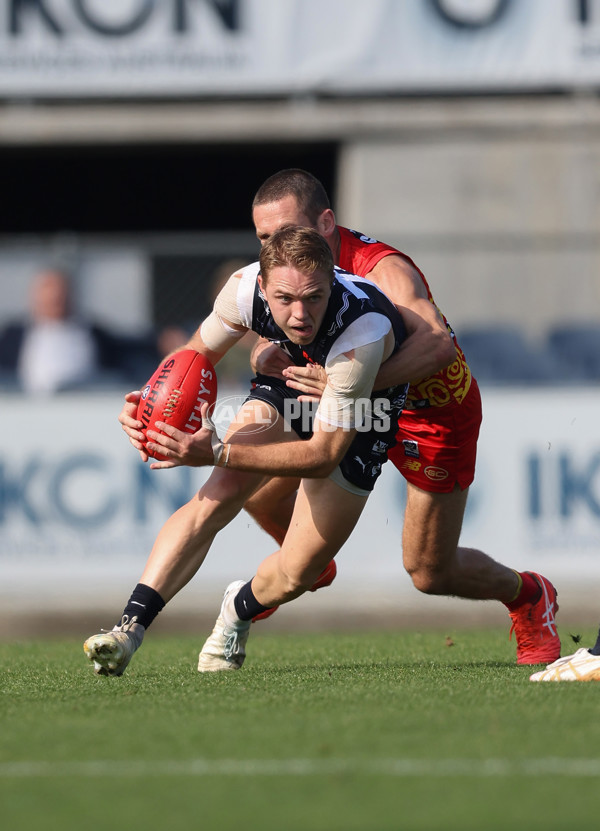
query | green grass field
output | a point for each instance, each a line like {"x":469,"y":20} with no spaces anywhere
{"x":396,"y":730}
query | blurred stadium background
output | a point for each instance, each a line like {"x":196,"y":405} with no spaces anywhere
{"x":133,"y":134}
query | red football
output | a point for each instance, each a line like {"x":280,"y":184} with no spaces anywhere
{"x":176,"y":392}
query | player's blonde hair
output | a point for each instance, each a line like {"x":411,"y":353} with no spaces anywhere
{"x":301,"y":248}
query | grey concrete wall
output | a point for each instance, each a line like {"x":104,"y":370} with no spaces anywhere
{"x":497,"y":199}
{"x":504,"y":223}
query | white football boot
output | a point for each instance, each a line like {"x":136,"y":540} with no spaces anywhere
{"x":582,"y":666}
{"x":110,"y":652}
{"x":226,"y":647}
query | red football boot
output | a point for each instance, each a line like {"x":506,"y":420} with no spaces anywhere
{"x":535,"y":627}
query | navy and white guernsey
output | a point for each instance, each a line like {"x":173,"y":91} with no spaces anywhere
{"x":351,"y":298}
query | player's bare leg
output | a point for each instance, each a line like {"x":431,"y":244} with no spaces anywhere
{"x":435,"y":561}
{"x":184,"y":541}
{"x":439,"y":566}
{"x":272,"y":505}
{"x":323,"y":518}
{"x":186,"y":537}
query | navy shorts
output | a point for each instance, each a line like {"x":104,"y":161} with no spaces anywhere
{"x":362,"y":462}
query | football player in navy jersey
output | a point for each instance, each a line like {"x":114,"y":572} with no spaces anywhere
{"x":314,"y":313}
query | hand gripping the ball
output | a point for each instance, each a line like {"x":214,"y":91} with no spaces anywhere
{"x":130,"y":423}
{"x":175,"y":393}
{"x":199,"y":449}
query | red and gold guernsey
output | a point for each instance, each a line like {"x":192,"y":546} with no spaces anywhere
{"x":359,"y":254}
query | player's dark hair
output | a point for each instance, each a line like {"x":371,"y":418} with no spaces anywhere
{"x":301,"y":248}
{"x":310,"y":194}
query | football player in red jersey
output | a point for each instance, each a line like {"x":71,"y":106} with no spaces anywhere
{"x":438,"y":430}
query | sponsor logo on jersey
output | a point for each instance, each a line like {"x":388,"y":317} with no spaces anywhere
{"x":380,"y":447}
{"x":363,"y":237}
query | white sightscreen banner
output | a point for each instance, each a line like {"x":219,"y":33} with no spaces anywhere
{"x":153,"y":48}
{"x":79,"y":512}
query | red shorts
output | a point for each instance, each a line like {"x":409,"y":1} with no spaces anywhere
{"x":437,"y":446}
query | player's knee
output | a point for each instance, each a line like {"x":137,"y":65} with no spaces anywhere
{"x":221,"y":499}
{"x":427,"y":580}
{"x":230,"y":486}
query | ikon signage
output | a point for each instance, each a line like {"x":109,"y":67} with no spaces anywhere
{"x":137,"y":48}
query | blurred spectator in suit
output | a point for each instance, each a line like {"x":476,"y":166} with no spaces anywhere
{"x":53,"y":350}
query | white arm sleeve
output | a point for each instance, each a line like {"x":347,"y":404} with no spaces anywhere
{"x":217,"y":334}
{"x":232,"y":309}
{"x":350,"y":377}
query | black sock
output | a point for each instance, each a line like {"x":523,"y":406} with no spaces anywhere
{"x":595,"y":650}
{"x":145,"y":604}
{"x":246,"y":605}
